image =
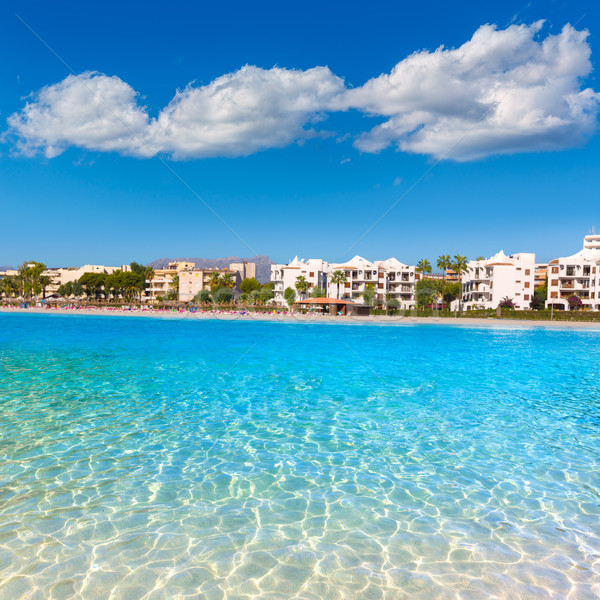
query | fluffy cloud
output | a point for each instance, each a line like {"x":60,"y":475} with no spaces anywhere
{"x":90,"y":111}
{"x":500,"y":92}
{"x":236,"y":114}
{"x":244,"y":112}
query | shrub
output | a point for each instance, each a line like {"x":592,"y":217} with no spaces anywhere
{"x":249,"y":284}
{"x":202,"y":297}
{"x":507,"y":302}
{"x":575,"y":302}
{"x":222,"y":295}
{"x":290,"y":295}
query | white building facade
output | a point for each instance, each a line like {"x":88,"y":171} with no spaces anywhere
{"x":576,"y":275}
{"x":388,"y":278}
{"x":314,"y":270}
{"x":485,"y":283}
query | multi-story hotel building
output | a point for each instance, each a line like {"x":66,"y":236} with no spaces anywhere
{"x":162,"y":281}
{"x":541,"y":271}
{"x":314,"y":270}
{"x":576,"y":275}
{"x":192,"y":281}
{"x":385,"y":277}
{"x":485,"y":283}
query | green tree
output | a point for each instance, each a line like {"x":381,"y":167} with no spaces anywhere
{"x":266,"y":292}
{"x":228,"y":280}
{"x":460,"y":266}
{"x":214,"y":281}
{"x":77,"y":289}
{"x":444,"y":263}
{"x":8,"y":286}
{"x":369,"y":294}
{"x":338,"y":277}
{"x":540,"y":295}
{"x":318,"y":292}
{"x":222,"y":295}
{"x":174,"y":288}
{"x":202,"y":297}
{"x":28,"y":276}
{"x":65,"y":290}
{"x":425,"y":292}
{"x":392,"y":305}
{"x":92,"y":284}
{"x":424,"y":266}
{"x":450,"y":293}
{"x":249,"y":284}
{"x":301,"y":285}
{"x":44,"y":282}
{"x":289,"y":295}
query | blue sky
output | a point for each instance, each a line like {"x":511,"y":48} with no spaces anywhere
{"x":460,"y":175}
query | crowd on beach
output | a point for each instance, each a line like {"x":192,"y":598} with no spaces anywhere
{"x":146,"y":310}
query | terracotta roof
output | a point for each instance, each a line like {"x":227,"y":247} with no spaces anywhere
{"x":323,"y":301}
{"x":499,"y":264}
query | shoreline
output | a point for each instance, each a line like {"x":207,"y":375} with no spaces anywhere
{"x":400,"y":320}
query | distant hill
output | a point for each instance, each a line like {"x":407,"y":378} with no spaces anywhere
{"x":263,"y":264}
{"x":7,"y":268}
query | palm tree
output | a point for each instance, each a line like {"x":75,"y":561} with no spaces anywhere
{"x":45,"y":281}
{"x":301,"y":285}
{"x":8,"y":286}
{"x":148,"y":277}
{"x":444,"y":262}
{"x":214,"y":281}
{"x":424,"y":266}
{"x":227,"y":280}
{"x":174,"y":285}
{"x":338,"y":277}
{"x":459,"y":265}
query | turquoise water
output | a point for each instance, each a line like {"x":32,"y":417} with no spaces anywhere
{"x":148,"y":458}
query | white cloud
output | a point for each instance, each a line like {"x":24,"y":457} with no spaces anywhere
{"x":397,"y":180}
{"x":91,"y":111}
{"x":236,"y":114}
{"x":500,"y":92}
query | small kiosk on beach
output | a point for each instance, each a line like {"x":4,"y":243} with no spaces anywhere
{"x":333,"y":306}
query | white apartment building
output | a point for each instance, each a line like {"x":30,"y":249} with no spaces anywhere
{"x":577,"y":275}
{"x":386,"y":277}
{"x":400,"y":281}
{"x":486,"y":283}
{"x":314,"y":270}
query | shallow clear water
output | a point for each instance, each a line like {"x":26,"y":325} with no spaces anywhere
{"x":150,"y":458}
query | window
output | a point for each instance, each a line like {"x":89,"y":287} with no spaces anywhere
{"x":527,"y":284}
{"x":527,"y":271}
{"x":526,"y":297}
{"x":554,"y":282}
{"x":311,"y":274}
{"x":553,"y":294}
{"x":555,"y":269}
